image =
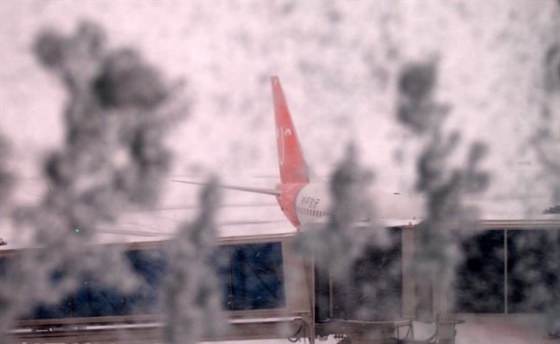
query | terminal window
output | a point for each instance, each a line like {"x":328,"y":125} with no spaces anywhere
{"x":251,"y":277}
{"x":508,"y":271}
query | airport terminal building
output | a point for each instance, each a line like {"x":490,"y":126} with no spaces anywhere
{"x":504,"y":283}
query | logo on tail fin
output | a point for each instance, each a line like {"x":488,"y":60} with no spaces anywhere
{"x":281,"y":150}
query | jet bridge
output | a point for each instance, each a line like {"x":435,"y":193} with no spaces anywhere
{"x":268,"y":292}
{"x":262,"y":283}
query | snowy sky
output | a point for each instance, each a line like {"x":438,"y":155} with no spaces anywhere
{"x":338,"y":63}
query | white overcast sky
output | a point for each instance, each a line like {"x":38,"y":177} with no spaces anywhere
{"x":333,"y":60}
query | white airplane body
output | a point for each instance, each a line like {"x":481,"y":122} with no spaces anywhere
{"x":302,"y":198}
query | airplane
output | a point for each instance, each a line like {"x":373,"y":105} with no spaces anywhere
{"x":2,"y":242}
{"x":302,"y":196}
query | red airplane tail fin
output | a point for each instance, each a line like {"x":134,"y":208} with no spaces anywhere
{"x":293,"y":168}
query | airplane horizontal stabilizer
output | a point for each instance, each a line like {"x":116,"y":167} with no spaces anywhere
{"x":265,"y":191}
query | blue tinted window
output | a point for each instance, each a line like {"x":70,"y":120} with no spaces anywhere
{"x":479,"y":283}
{"x":519,"y":267}
{"x":533,"y":269}
{"x":150,"y":266}
{"x":253,"y":277}
{"x":93,"y":299}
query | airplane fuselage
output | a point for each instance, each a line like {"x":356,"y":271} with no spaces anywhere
{"x":304,"y":203}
